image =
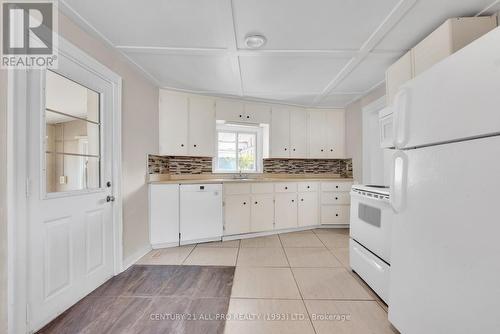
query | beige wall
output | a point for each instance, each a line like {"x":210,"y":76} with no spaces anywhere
{"x":354,"y":130}
{"x":139,"y":132}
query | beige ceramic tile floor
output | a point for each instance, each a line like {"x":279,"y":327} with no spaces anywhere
{"x":297,"y":282}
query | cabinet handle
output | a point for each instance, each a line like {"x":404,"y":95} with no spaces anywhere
{"x":248,"y":116}
{"x":308,"y":187}
{"x":336,"y":215}
{"x":244,"y":203}
{"x":256,"y":202}
{"x":331,"y":150}
{"x":286,"y":188}
{"x":322,"y":150}
{"x":285,"y":148}
{"x":293,"y":201}
{"x":182,"y":145}
{"x":294,"y":150}
{"x":194,"y":145}
{"x":302,"y":200}
{"x":336,"y":198}
{"x":241,"y":116}
{"x":337,"y":187}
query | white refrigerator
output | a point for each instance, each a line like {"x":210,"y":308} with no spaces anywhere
{"x":445,"y":190}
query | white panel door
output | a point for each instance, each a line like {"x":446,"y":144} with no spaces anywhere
{"x":173,"y":120}
{"x":262,"y":213}
{"x":70,"y":203}
{"x":308,"y":209}
{"x":444,"y":256}
{"x":285,"y":210}
{"x":440,"y":106}
{"x":280,"y":132}
{"x":201,"y":127}
{"x":298,"y":133}
{"x":163,"y":215}
{"x":335,"y":134}
{"x":317,"y":134}
{"x":237,"y":214}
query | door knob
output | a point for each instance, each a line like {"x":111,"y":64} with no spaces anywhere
{"x":110,"y":198}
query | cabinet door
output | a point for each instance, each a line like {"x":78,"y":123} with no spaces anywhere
{"x":317,"y":134}
{"x":308,"y":209}
{"x":285,"y":210}
{"x":280,"y":132}
{"x":397,"y":74}
{"x":335,"y":134}
{"x":262,"y":213}
{"x":257,"y":113}
{"x":173,"y":124}
{"x":201,"y":127}
{"x":163,"y":215}
{"x":237,"y":214}
{"x":229,"y":110}
{"x":298,"y":133}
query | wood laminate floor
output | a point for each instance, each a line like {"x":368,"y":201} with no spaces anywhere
{"x":297,"y":282}
{"x":153,"y":299}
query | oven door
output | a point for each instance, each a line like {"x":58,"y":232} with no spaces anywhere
{"x":371,"y":224}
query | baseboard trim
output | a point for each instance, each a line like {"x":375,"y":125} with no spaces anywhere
{"x":273,"y":232}
{"x":165,"y":245}
{"x":133,"y":258}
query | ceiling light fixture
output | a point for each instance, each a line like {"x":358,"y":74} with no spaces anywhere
{"x":255,"y":41}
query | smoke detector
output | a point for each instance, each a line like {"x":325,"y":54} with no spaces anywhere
{"x":255,"y":41}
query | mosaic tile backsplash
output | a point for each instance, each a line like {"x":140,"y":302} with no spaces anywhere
{"x":196,"y":165}
{"x":309,"y":166}
{"x":179,"y":165}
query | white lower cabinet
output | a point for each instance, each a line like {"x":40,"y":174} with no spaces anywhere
{"x":237,"y":214}
{"x":262,"y":213}
{"x":308,"y":209}
{"x":335,"y":202}
{"x":164,"y":215}
{"x":285,"y":210}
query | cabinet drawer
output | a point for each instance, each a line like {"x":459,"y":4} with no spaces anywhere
{"x":237,"y":188}
{"x":262,"y":188}
{"x":201,"y":187}
{"x":307,"y":186}
{"x":285,"y":187}
{"x":338,"y":198}
{"x":336,"y":186}
{"x":334,"y":214}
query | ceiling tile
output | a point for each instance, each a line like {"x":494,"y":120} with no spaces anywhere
{"x":173,"y":23}
{"x":337,"y":100}
{"x":311,"y":24}
{"x":367,"y":74}
{"x":200,"y":73}
{"x":299,"y":99}
{"x":288,"y":74}
{"x":424,"y":17}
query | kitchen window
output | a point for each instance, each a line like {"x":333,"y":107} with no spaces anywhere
{"x":239,"y":149}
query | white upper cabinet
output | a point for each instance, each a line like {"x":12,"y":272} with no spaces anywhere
{"x":280,"y":132}
{"x":298,"y":133}
{"x":327,"y":134}
{"x":173,"y":124}
{"x":186,"y":125}
{"x":257,"y":113}
{"x":201,"y":126}
{"x":335,"y":134}
{"x":397,"y":74}
{"x":229,"y":110}
{"x":317,"y":134}
{"x":235,"y":111}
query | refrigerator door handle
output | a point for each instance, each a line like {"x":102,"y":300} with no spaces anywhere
{"x":401,"y":105}
{"x":399,"y":181}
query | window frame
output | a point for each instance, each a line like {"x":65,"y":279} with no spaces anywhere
{"x":239,"y":129}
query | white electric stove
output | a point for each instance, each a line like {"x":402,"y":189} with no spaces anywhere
{"x":370,"y":232}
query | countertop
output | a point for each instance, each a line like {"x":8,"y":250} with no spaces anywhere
{"x":224,"y":178}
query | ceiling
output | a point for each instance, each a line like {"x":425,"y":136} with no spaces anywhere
{"x":319,"y":53}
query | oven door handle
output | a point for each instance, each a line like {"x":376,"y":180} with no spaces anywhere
{"x":399,"y":181}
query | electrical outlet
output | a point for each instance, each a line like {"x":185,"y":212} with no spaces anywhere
{"x":63,"y":179}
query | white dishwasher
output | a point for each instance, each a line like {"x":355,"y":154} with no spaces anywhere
{"x":200,"y":213}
